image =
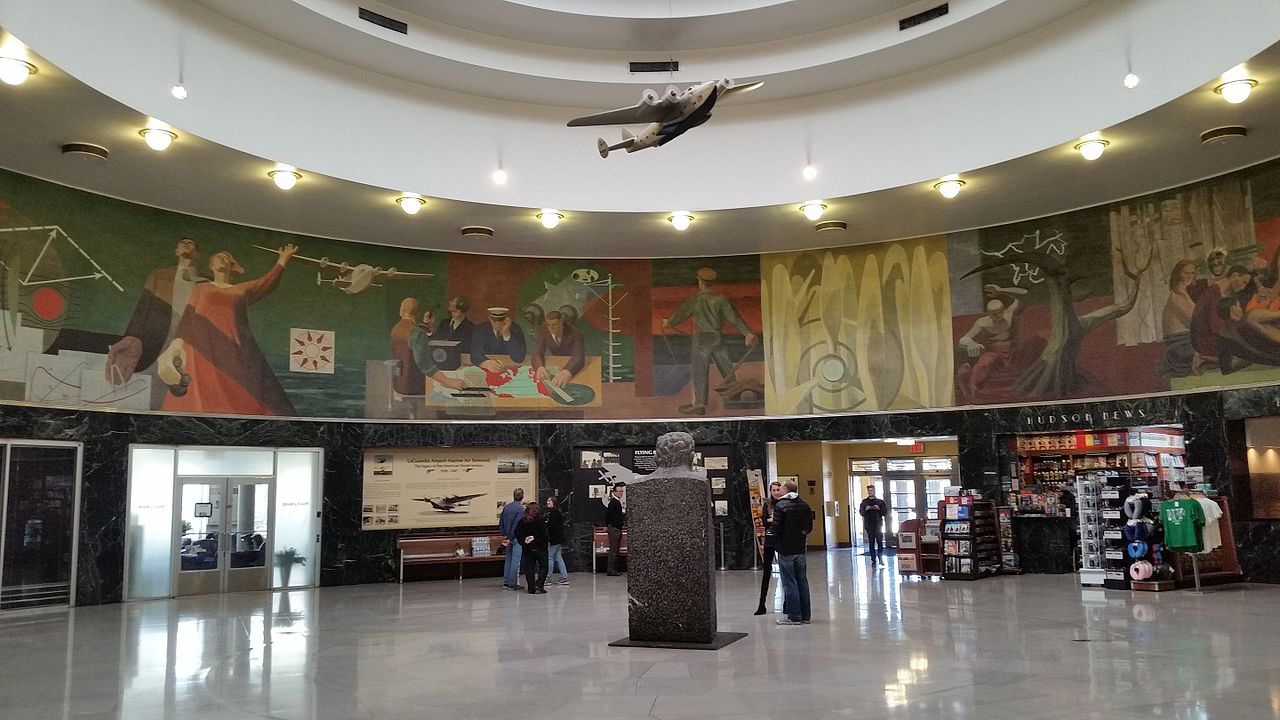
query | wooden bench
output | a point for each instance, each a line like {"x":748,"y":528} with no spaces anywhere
{"x":443,"y":550}
{"x":600,"y":545}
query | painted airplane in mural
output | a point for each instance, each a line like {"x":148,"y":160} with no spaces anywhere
{"x":668,"y":115}
{"x":450,"y":503}
{"x":351,"y":279}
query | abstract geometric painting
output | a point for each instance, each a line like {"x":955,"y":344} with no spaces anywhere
{"x":311,"y":351}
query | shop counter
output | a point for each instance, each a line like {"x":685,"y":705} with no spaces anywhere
{"x":1045,"y":544}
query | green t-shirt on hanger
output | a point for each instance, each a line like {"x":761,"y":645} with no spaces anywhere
{"x":1182,"y":519}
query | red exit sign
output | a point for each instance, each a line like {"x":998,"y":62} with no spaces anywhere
{"x":917,"y":448}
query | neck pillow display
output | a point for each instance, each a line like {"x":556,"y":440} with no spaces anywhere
{"x":1141,"y":570}
{"x":1136,"y":530}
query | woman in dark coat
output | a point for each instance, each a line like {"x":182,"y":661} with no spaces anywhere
{"x":775,"y":492}
{"x":531,"y":533}
{"x":555,"y":541}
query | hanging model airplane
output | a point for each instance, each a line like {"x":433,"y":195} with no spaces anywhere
{"x":449,"y":503}
{"x":351,"y":279}
{"x":668,"y":115}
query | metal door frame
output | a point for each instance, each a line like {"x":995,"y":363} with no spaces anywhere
{"x":224,"y":548}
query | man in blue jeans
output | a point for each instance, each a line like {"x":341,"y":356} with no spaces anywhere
{"x":510,"y":516}
{"x":792,"y":521}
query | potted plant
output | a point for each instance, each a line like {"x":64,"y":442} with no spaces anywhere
{"x":285,"y":560}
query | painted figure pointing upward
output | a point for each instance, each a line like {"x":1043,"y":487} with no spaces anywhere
{"x":709,"y":310}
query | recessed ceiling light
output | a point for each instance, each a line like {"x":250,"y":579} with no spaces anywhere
{"x":179,"y":91}
{"x":84,"y":149}
{"x":1131,"y":80}
{"x":285,"y":176}
{"x":550,"y":218}
{"x":158,"y":138}
{"x":14,"y":71}
{"x":411,"y":203}
{"x":949,"y":187}
{"x":809,"y":172}
{"x":499,"y":177}
{"x":1092,"y":148}
{"x":1236,"y":91}
{"x":681,"y":219}
{"x":813,"y":209}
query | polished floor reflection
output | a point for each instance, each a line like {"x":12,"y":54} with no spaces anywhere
{"x":879,"y":647}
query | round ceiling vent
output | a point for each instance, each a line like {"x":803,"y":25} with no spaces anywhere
{"x":830,"y":225}
{"x":1223,"y":135}
{"x":477,"y":231}
{"x":84,"y":149}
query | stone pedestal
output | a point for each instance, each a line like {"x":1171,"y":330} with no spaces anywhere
{"x":670,"y":549}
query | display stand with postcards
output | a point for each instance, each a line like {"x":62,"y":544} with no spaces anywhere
{"x":970,"y":538}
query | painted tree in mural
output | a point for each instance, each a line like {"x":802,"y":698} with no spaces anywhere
{"x":1054,"y":373}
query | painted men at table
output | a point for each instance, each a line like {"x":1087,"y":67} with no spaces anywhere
{"x":457,"y":327}
{"x":709,"y":310}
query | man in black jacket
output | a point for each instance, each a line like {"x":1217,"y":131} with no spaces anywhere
{"x":792,"y":521}
{"x":873,"y":511}
{"x":615,"y":519}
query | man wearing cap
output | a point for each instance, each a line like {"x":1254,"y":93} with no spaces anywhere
{"x":498,"y":337}
{"x":709,"y":310}
{"x":556,"y":337}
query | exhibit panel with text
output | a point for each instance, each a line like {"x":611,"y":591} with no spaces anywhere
{"x":432,"y":487}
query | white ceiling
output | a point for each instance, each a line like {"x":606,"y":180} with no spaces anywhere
{"x":274,"y":84}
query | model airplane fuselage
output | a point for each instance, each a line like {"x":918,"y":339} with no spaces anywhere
{"x":449,"y":503}
{"x":669,"y":115}
{"x":351,"y":279}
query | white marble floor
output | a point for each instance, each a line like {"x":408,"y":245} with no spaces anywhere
{"x":879,"y":647}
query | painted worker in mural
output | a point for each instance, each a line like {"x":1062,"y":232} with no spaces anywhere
{"x":557,"y":337}
{"x":456,"y":328}
{"x":710,"y":310}
{"x":410,"y":347}
{"x":155,"y":319}
{"x":214,"y":363}
{"x":991,"y":339}
{"x":1180,"y":356}
{"x":500,"y":336}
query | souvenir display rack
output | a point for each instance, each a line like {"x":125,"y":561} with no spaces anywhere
{"x":970,"y":538}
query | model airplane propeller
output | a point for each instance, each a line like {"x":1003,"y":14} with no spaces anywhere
{"x":348,"y":278}
{"x":449,"y":503}
{"x":668,"y":115}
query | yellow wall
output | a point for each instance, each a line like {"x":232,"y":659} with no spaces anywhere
{"x":807,"y":460}
{"x":804,"y":460}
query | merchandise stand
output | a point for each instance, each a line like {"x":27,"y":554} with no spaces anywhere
{"x":1217,"y":567}
{"x":970,"y":538}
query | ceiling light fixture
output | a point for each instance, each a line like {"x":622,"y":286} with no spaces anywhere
{"x":809,"y":172}
{"x":410,"y":203}
{"x":1131,"y":80}
{"x":158,"y":138}
{"x":1092,"y":148}
{"x":680,"y":220}
{"x":285,"y":176}
{"x":813,"y":209}
{"x":949,"y":187}
{"x":499,"y":177}
{"x":179,"y":91}
{"x":1236,"y":91}
{"x":550,"y":218}
{"x":14,"y":71}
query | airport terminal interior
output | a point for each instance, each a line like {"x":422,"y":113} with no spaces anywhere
{"x":661,"y":359}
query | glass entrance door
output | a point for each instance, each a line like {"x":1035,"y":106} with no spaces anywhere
{"x":38,"y":517}
{"x":223,"y":535}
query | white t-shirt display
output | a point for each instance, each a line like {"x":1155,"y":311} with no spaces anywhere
{"x":1211,"y":535}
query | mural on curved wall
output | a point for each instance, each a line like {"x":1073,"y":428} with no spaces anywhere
{"x":107,"y":304}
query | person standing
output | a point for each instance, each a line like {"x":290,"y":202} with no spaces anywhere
{"x":555,"y":541}
{"x":615,"y":518}
{"x":873,"y":511}
{"x":792,"y":521}
{"x":511,"y":515}
{"x":770,"y":541}
{"x":710,"y":310}
{"x":531,"y":533}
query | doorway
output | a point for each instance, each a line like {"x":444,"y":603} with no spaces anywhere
{"x":39,"y":514}
{"x":911,"y":486}
{"x":216,"y":520}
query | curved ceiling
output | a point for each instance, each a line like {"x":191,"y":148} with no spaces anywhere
{"x":997,"y":90}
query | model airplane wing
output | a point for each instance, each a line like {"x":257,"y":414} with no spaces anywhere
{"x":394,"y":274}
{"x":641,"y":112}
{"x":740,"y":89}
{"x":303,"y":258}
{"x":460,"y":498}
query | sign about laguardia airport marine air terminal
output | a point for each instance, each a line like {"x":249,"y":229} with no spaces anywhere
{"x":411,"y":488}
